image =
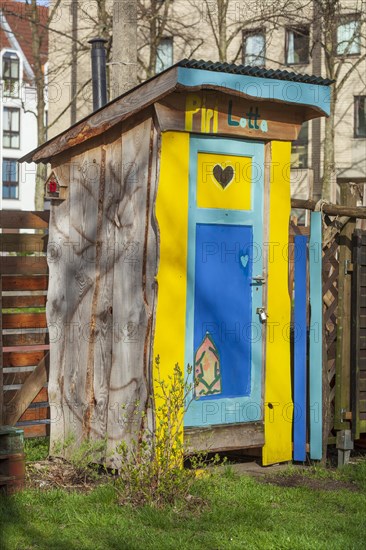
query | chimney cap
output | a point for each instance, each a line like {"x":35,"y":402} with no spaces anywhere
{"x":95,"y":42}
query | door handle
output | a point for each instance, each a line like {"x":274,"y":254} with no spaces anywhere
{"x":259,"y":280}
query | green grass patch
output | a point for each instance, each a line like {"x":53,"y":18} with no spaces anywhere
{"x":225,"y":511}
{"x":36,"y":448}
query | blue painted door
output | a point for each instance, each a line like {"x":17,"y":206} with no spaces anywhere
{"x":225,"y":290}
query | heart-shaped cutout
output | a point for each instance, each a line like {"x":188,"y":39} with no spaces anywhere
{"x":244,"y":259}
{"x":223,"y":177}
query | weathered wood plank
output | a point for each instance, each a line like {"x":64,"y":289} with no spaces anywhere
{"x":343,"y":361}
{"x":24,"y":320}
{"x":24,"y":397}
{"x":32,"y":414}
{"x":133,"y":292}
{"x":38,"y":430}
{"x":24,"y":338}
{"x":61,"y":278}
{"x":19,"y":282}
{"x":102,"y":306}
{"x":41,"y":397}
{"x":19,"y":219}
{"x":224,"y":438}
{"x":356,"y":340}
{"x":16,"y":359}
{"x":86,"y":198}
{"x":23,"y":242}
{"x":23,"y":265}
{"x":21,"y":301}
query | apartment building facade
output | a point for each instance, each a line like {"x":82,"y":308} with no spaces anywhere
{"x":18,"y":114}
{"x":286,"y":34}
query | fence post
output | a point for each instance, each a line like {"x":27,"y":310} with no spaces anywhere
{"x":343,"y":357}
{"x":1,"y":354}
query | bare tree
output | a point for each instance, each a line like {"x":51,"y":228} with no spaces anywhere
{"x":159,"y":20}
{"x":340,"y":65}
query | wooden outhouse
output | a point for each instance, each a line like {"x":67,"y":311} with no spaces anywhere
{"x":168,"y":236}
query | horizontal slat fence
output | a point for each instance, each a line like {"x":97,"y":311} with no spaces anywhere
{"x":25,"y":343}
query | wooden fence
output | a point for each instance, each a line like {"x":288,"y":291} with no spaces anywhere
{"x":24,"y":345}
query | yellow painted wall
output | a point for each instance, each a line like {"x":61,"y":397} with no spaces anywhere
{"x":278,"y":419}
{"x":172,"y":216}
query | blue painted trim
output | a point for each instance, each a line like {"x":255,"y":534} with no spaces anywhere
{"x":316,"y":337}
{"x":300,"y":337}
{"x":242,"y":409}
{"x":299,"y":93}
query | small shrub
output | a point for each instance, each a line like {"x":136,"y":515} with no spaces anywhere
{"x":152,"y":470}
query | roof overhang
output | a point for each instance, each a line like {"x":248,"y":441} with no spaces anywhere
{"x":184,"y":76}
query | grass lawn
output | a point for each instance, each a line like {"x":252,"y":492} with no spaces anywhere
{"x":238,"y":512}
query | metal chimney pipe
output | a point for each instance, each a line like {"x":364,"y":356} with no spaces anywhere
{"x":99,"y":73}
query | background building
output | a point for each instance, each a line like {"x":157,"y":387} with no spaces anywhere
{"x":18,"y":115}
{"x":321,"y":37}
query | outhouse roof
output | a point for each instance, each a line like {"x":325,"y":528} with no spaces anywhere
{"x":279,"y":86}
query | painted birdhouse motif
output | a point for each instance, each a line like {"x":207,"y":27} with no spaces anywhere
{"x":207,"y":369}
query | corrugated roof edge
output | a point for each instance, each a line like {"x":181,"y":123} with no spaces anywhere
{"x":253,"y":71}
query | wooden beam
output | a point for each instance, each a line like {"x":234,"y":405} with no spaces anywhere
{"x":332,"y":209}
{"x":15,"y":219}
{"x":24,"y":397}
{"x":23,"y":242}
{"x":24,"y":265}
{"x":224,"y":438}
{"x":343,"y":356}
{"x":19,"y":282}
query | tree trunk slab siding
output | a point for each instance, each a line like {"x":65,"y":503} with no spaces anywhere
{"x":102,"y":290}
{"x":174,"y":191}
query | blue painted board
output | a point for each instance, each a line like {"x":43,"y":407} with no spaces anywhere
{"x":316,"y":336}
{"x":300,"y":337}
{"x":223,"y":303}
{"x":275,"y":90}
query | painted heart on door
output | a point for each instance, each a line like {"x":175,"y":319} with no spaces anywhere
{"x":223,"y":177}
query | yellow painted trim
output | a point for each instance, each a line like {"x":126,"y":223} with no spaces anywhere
{"x":278,"y":416}
{"x":172,"y":218}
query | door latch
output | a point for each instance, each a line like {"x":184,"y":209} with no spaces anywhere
{"x":259,"y":280}
{"x":262,"y":314}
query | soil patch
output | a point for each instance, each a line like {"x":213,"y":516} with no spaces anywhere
{"x":298,"y":480}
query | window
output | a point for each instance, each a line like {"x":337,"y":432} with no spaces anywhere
{"x":360,"y":116}
{"x":11,"y":128}
{"x":164,"y":54}
{"x":299,"y":151}
{"x":297,"y":46}
{"x":10,"y":74}
{"x":348,"y":36}
{"x":10,"y":179}
{"x":254,"y":48}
